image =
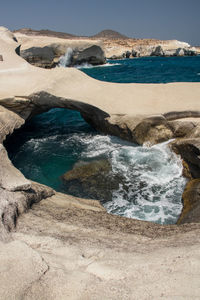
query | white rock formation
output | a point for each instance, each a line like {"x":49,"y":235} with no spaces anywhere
{"x":69,"y":248}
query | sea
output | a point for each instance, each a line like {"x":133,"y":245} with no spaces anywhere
{"x":148,"y":181}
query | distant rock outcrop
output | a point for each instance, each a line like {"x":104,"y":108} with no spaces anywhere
{"x":158,"y":51}
{"x":45,"y":32}
{"x":39,"y":56}
{"x":93,"y":55}
{"x":110,"y":34}
{"x":145,"y":50}
{"x":45,"y":57}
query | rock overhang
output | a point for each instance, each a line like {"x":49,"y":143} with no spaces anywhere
{"x":101,"y":104}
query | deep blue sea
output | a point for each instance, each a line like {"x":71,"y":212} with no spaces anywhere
{"x":148,"y":70}
{"x":151,"y":182}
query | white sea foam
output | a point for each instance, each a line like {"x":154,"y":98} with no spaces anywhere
{"x":152,"y":182}
{"x":89,"y":66}
{"x":65,"y":60}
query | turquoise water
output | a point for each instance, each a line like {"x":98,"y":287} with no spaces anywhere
{"x":45,"y":148}
{"x":150,"y":182}
{"x":148,"y":70}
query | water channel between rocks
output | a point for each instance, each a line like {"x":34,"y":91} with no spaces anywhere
{"x":145,"y":183}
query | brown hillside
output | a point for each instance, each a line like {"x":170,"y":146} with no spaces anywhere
{"x":109,"y":34}
{"x":45,"y":32}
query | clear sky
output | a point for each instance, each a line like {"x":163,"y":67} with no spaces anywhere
{"x":161,"y":19}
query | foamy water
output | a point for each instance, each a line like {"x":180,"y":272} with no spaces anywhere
{"x":148,"y":180}
{"x":152,"y":183}
{"x":65,"y":61}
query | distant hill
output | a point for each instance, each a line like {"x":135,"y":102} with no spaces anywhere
{"x":45,"y":32}
{"x":109,"y":34}
{"x":104,"y":34}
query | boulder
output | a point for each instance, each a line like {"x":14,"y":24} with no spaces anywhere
{"x":1,"y":57}
{"x":186,"y":52}
{"x":189,"y":149}
{"x":93,"y":55}
{"x":180,"y":52}
{"x":154,"y":129}
{"x":127,"y":54}
{"x":91,"y":180}
{"x":135,"y":53}
{"x":158,"y":51}
{"x":191,"y":203}
{"x":190,"y":52}
{"x":38,"y":56}
{"x":143,"y":50}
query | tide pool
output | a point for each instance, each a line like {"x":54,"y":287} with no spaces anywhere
{"x":149,"y":180}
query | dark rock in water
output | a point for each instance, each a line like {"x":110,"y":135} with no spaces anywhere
{"x":40,"y":57}
{"x":127,"y":54}
{"x":116,"y":57}
{"x":93,"y":55}
{"x":92,"y":180}
{"x":191,"y":203}
{"x":179,"y":52}
{"x":189,"y":149}
{"x":190,"y":52}
{"x":185,"y":52}
{"x":158,"y":51}
{"x":135,"y":53}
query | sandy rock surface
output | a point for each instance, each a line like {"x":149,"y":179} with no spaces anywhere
{"x":70,"y":248}
{"x":90,"y":256}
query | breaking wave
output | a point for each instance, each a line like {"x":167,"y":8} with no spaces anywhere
{"x":89,"y":66}
{"x":150,"y":182}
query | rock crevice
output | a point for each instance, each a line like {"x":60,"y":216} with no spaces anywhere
{"x":117,"y":109}
{"x":139,"y":129}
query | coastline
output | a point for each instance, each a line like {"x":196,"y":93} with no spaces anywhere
{"x":51,"y":233}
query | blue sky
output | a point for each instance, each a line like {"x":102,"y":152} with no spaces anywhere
{"x":161,"y":19}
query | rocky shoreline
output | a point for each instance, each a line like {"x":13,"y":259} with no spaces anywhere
{"x":183,"y":126}
{"x":45,"y":50}
{"x":49,"y":235}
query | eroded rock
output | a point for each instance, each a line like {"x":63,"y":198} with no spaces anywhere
{"x":92,"y":180}
{"x":189,"y":149}
{"x":93,"y":55}
{"x":158,"y":51}
{"x":191,"y":203}
{"x":39,"y":56}
{"x":11,"y":179}
{"x":9,"y":121}
{"x":21,"y":266}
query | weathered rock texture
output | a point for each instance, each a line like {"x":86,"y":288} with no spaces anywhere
{"x":191,"y":202}
{"x":17,"y":194}
{"x":40,"y":57}
{"x":28,"y":91}
{"x":70,"y":248}
{"x":80,"y":252}
{"x":92,"y":180}
{"x":46,"y":57}
{"x":114,"y":44}
{"x":189,"y":149}
{"x":93,"y":55}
